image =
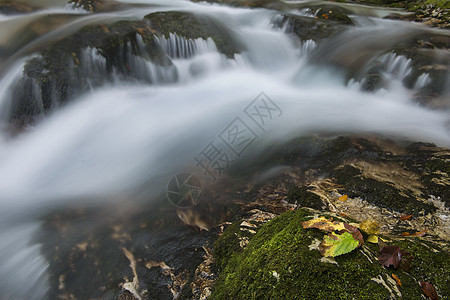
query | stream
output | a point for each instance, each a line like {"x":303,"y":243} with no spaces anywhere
{"x":118,"y":138}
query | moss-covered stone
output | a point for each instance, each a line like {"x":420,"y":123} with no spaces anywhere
{"x":227,"y":245}
{"x":303,"y":197}
{"x":427,"y":263}
{"x":279,"y":263}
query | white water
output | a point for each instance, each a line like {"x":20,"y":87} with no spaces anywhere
{"x":124,"y":135}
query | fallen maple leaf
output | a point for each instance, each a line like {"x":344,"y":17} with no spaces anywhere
{"x":391,"y":256}
{"x":405,"y":217}
{"x":337,"y":244}
{"x":397,"y":280}
{"x":429,"y":290}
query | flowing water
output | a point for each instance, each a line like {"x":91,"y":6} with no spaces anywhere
{"x":129,"y":137}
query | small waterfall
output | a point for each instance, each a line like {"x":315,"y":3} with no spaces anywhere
{"x":422,"y":81}
{"x":178,"y":47}
{"x":397,"y":66}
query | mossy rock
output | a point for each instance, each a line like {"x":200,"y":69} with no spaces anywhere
{"x":303,"y":197}
{"x":279,"y":264}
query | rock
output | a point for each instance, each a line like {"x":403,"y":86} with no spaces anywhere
{"x":89,"y":5}
{"x":95,"y":54}
{"x":250,"y":3}
{"x":306,"y":28}
{"x":263,"y":249}
{"x":14,"y":8}
{"x":280,"y":262}
{"x":193,"y":27}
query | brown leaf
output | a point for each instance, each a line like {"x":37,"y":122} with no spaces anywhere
{"x":405,"y":234}
{"x":390,"y":256}
{"x":397,"y":280}
{"x":405,"y":217}
{"x":429,"y":290}
{"x":420,"y":233}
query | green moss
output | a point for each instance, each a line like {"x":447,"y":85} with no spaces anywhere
{"x":282,"y":245}
{"x":303,"y":197}
{"x":439,"y":3}
{"x":427,"y":263}
{"x":227,"y":245}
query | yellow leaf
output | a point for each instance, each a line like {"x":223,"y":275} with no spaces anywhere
{"x":369,"y":226}
{"x":324,"y":224}
{"x":373,"y":239}
{"x":343,"y":198}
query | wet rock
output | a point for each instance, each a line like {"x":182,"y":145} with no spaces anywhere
{"x":127,"y":295}
{"x":325,"y":24}
{"x":89,"y":5}
{"x":262,"y":248}
{"x":14,"y":8}
{"x":151,"y":255}
{"x":90,"y":57}
{"x":334,"y":14}
{"x":193,"y":27}
{"x":102,"y":53}
{"x":250,"y":3}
